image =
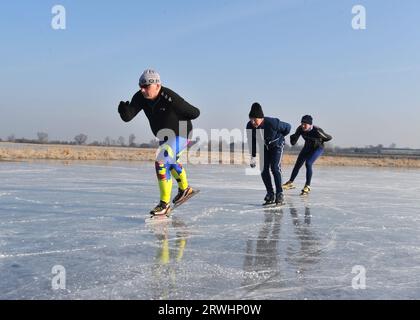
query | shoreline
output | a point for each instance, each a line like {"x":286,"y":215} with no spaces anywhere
{"x":27,"y":152}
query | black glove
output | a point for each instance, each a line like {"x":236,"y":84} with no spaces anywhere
{"x":122,"y":106}
{"x":295,"y":137}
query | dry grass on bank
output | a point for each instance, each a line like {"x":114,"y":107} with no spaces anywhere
{"x":56,"y":152}
{"x":14,"y":152}
{"x":368,"y":161}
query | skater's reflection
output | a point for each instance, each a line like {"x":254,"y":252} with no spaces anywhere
{"x":261,"y":258}
{"x":169,"y":254}
{"x":306,"y":251}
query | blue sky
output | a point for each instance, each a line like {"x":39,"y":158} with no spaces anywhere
{"x":294,"y":57}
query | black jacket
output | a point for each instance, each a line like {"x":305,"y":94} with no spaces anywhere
{"x":314,"y":138}
{"x":165,"y":112}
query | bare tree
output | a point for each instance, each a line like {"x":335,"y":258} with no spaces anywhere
{"x":11,"y":138}
{"x":107,"y":141}
{"x":121,"y":141}
{"x":80,"y":139}
{"x":154,"y":143}
{"x":131,"y":139}
{"x":42,"y":137}
{"x":95,"y":143}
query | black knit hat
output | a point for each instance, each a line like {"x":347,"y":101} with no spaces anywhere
{"x":256,"y":111}
{"x":307,"y":119}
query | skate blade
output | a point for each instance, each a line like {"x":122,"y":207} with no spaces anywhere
{"x":274,"y":205}
{"x":288,"y":188}
{"x":192,"y":194}
{"x":158,"y":219}
{"x":268,"y":205}
{"x":163,"y":214}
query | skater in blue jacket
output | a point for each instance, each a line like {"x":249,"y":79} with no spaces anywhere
{"x":272,"y":132}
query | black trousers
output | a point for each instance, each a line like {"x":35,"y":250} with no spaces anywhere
{"x":272,"y":162}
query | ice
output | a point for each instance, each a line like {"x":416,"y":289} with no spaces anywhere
{"x":90,"y":218}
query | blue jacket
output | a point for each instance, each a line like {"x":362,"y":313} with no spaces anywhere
{"x":274,"y":133}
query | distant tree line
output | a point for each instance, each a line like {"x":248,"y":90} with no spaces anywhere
{"x":221,"y":145}
{"x":81,"y":139}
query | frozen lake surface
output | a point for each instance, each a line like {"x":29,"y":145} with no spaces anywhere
{"x":90,"y":219}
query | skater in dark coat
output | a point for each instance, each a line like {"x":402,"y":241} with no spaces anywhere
{"x":271,"y":132}
{"x":314,"y":147}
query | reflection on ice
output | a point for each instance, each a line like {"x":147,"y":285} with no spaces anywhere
{"x":169,"y":253}
{"x":261,"y":258}
{"x":308,"y":248}
{"x":262,"y":255}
